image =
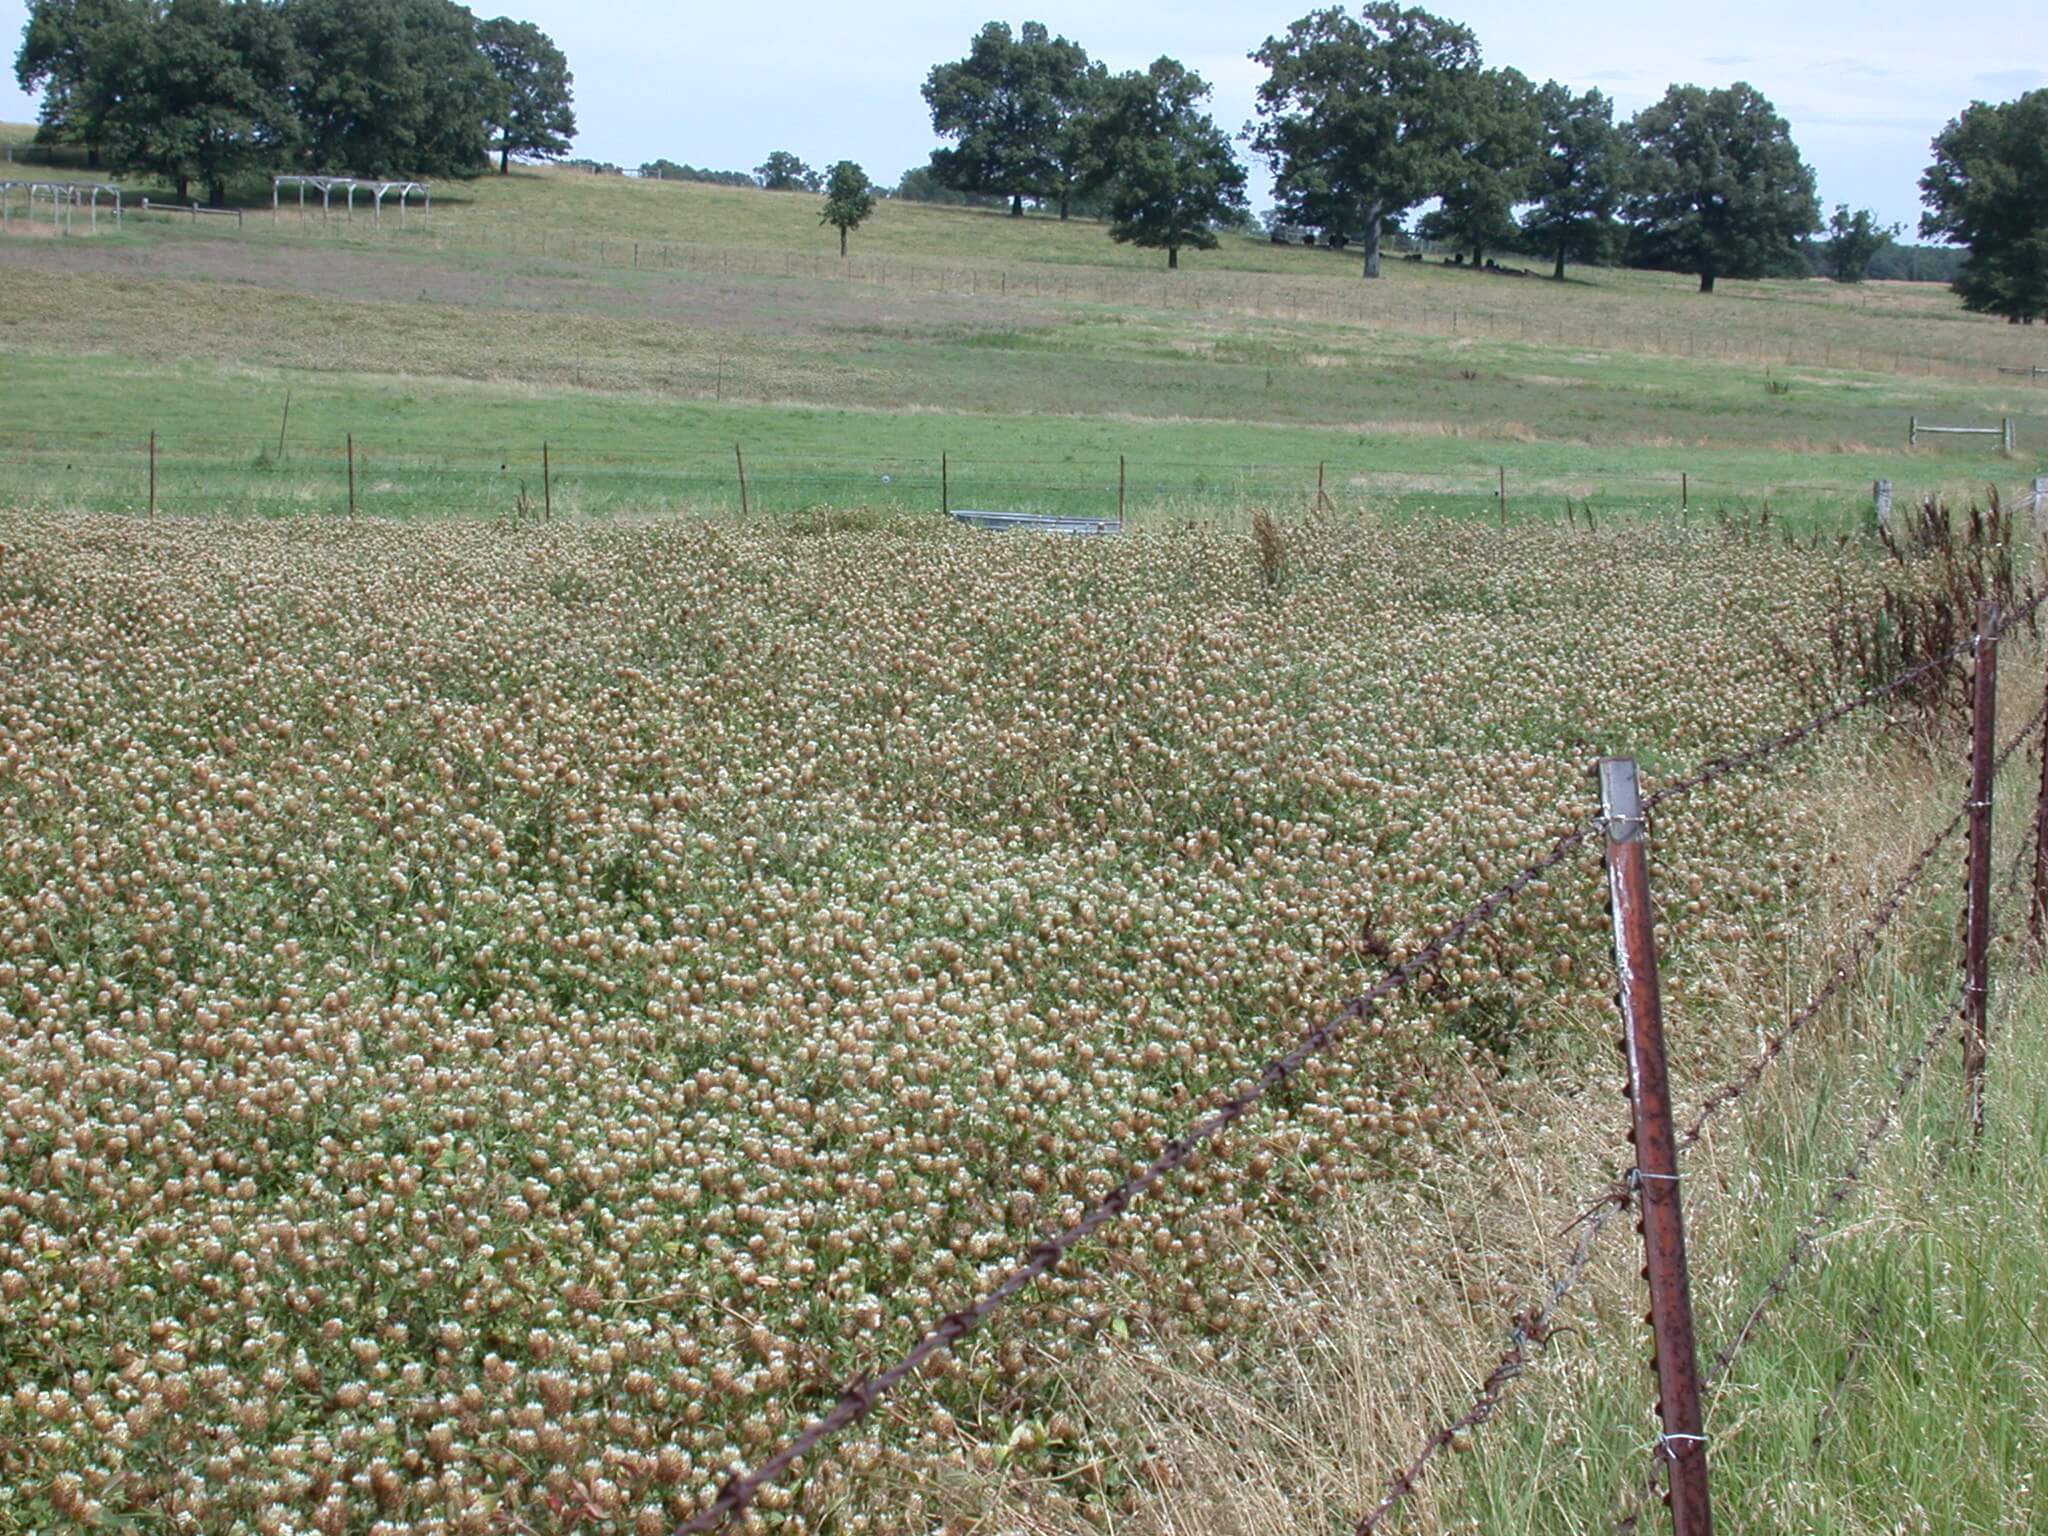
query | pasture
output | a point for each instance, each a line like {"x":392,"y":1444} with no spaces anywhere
{"x":1031,"y":357}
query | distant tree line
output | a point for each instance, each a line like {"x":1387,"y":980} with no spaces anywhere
{"x":209,"y":90}
{"x":670,"y":170}
{"x":1373,"y":118}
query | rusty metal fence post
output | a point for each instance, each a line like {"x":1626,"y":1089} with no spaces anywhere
{"x":1682,"y":1441}
{"x":1977,"y":917}
{"x":2037,"y":915}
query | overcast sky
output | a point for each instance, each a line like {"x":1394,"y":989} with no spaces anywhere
{"x":1864,"y":86}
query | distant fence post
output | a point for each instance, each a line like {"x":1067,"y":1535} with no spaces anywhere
{"x":1881,"y":503}
{"x":1119,"y":490}
{"x":945,"y":483}
{"x":1682,"y":1442}
{"x":1977,"y":915}
{"x":547,"y":484}
{"x":1912,"y":431}
{"x":2039,"y":498}
{"x":740,"y":459}
{"x":351,"y":474}
{"x":2006,"y":423}
{"x":1503,"y":494}
{"x":1684,"y":490}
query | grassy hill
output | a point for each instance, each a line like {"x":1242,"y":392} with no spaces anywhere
{"x":641,"y":329}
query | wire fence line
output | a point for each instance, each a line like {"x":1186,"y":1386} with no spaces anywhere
{"x":1330,"y":296}
{"x":1808,"y":1238}
{"x":859,"y":1397}
{"x":1532,"y":1326}
{"x":491,"y":474}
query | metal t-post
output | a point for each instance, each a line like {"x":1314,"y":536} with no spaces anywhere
{"x":1682,"y":1442}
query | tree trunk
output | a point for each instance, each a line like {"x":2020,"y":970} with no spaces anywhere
{"x":1016,"y":205}
{"x":217,"y":193}
{"x":1371,"y":241}
{"x":1173,"y":258}
{"x":1706,"y":282}
{"x":184,"y":187}
{"x":1478,"y":255}
{"x":1064,"y":197}
{"x":842,"y":242}
{"x":92,"y":157}
{"x":505,"y":160}
{"x":1559,"y":273}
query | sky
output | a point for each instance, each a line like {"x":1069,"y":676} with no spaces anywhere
{"x":1864,"y":86}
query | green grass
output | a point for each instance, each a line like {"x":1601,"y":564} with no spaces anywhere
{"x":1031,"y":355}
{"x":1899,"y":1384}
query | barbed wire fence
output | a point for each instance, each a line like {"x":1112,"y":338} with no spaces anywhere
{"x":389,"y":471}
{"x":1624,"y":821}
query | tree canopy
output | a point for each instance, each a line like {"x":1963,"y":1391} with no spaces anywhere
{"x":207,"y":94}
{"x":1854,"y":239}
{"x":1360,"y":117}
{"x":1011,"y":109}
{"x":534,"y":115}
{"x":849,"y":199}
{"x":392,"y":87}
{"x":212,"y":89}
{"x":1171,"y":176}
{"x":1987,"y":190}
{"x":1580,"y":177}
{"x":79,"y":54}
{"x":1500,"y":139}
{"x":1719,"y":188}
{"x":785,"y":172}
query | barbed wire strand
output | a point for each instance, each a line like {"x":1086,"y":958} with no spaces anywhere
{"x":1809,"y":1236}
{"x":1749,"y":757}
{"x":858,"y":1398}
{"x":1837,"y":1195}
{"x":1865,"y":1332}
{"x":1532,"y":1326}
{"x":1852,"y":958}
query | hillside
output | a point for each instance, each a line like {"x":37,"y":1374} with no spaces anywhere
{"x":641,"y":328}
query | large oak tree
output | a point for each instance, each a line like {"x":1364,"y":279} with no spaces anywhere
{"x":1987,"y":190}
{"x":535,"y":113}
{"x":393,"y":87}
{"x":1494,"y":167}
{"x":1580,"y":179}
{"x":1169,"y":172}
{"x":1010,"y":107}
{"x":1362,"y":116}
{"x":1719,"y":188}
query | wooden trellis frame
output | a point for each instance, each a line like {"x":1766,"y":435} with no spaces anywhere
{"x":64,"y":196}
{"x":377,"y":191}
